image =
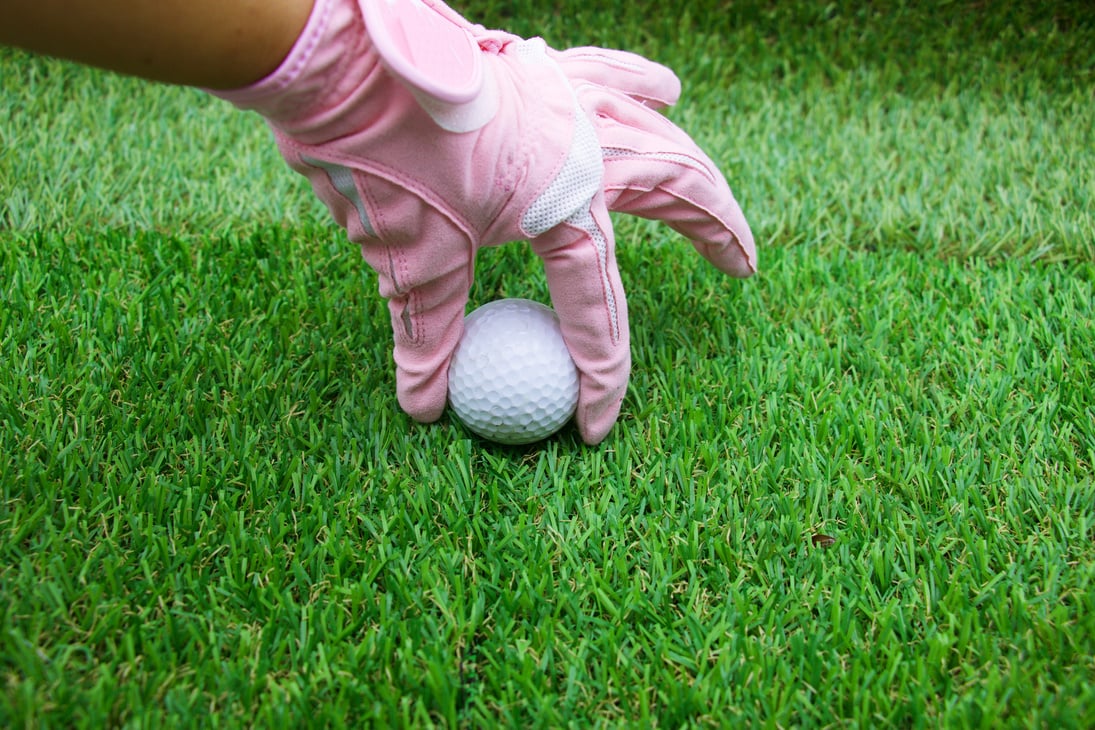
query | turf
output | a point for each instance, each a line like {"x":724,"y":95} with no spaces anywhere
{"x":854,"y":490}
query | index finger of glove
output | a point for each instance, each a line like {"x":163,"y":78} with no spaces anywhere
{"x":649,"y":83}
{"x":427,"y":324}
{"x":425,"y":266}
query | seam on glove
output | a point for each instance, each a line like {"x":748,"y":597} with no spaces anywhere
{"x":358,"y":166}
{"x":617,"y":153}
{"x":585,"y":221}
{"x":573,"y":188}
{"x":342,"y":180}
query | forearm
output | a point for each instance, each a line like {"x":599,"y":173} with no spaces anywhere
{"x":219,"y":44}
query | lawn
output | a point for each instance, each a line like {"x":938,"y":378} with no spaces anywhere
{"x":854,"y":490}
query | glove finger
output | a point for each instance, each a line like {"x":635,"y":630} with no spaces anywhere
{"x":586,"y":291}
{"x":649,"y":83}
{"x":653,"y":169}
{"x":424,"y":263}
{"x":427,"y":323}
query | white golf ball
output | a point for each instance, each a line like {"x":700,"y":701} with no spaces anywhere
{"x":512,"y":379}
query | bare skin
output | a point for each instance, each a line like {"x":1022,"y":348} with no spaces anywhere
{"x":216,"y":44}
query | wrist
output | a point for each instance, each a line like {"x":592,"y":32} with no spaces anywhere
{"x":324,"y":77}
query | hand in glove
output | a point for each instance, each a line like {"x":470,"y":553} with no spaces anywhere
{"x":428,"y":138}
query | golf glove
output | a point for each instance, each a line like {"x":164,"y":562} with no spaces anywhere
{"x":428,"y":138}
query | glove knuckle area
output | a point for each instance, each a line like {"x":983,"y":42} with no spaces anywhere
{"x":578,"y":181}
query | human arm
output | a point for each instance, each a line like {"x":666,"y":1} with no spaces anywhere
{"x":216,"y":44}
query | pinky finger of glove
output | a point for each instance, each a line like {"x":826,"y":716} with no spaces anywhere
{"x":586,"y":291}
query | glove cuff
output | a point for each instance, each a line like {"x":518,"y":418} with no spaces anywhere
{"x":319,"y":91}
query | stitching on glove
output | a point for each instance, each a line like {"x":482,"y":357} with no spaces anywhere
{"x":584,"y":220}
{"x":304,"y":55}
{"x":603,"y":59}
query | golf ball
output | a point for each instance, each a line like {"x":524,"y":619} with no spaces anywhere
{"x":512,"y":379}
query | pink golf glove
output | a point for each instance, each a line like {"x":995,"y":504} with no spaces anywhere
{"x":428,"y":138}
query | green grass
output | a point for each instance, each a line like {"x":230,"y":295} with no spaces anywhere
{"x":213,"y":512}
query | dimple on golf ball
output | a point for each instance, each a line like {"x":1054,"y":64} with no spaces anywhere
{"x":512,"y":379}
